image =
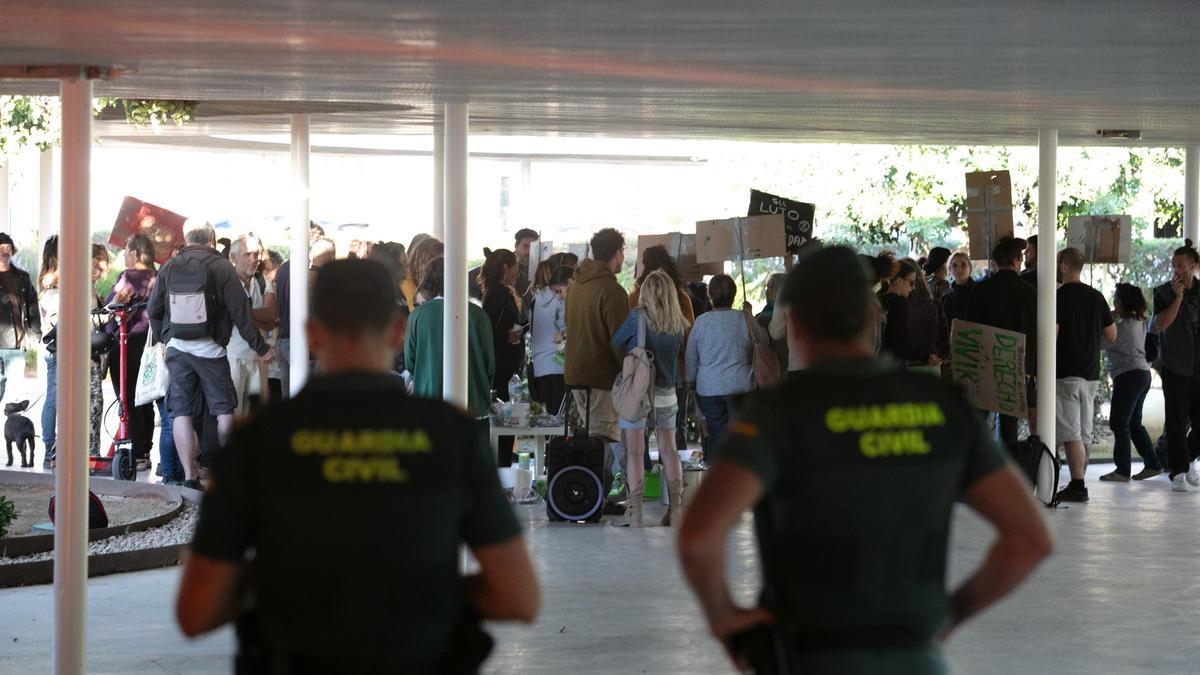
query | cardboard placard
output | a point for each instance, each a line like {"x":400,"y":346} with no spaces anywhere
{"x":681,"y":247}
{"x":989,"y":363}
{"x":1102,"y":239}
{"x":741,"y":239}
{"x":989,"y":211}
{"x":538,"y":251}
{"x":164,"y":227}
{"x":797,"y":216}
{"x":579,"y":250}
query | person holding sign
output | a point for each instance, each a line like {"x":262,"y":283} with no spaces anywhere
{"x":1003,"y":300}
{"x":1083,"y":318}
{"x":882,"y":454}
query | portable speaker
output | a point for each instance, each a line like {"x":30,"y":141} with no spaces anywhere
{"x":575,"y":479}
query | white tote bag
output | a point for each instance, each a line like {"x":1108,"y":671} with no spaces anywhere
{"x":152,"y":375}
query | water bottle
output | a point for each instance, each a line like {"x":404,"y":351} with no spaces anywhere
{"x":514,"y":389}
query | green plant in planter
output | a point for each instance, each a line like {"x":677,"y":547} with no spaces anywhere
{"x":8,"y":513}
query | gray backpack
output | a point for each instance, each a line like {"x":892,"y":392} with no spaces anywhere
{"x":191,"y":304}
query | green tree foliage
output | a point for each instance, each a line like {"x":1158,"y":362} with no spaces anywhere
{"x":33,"y":121}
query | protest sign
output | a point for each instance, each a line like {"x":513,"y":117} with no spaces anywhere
{"x":163,"y":227}
{"x":681,"y":247}
{"x":579,"y":251}
{"x":538,"y":252}
{"x":797,"y":217}
{"x":741,"y":239}
{"x":1101,"y":239}
{"x":989,"y":363}
{"x":989,"y":211}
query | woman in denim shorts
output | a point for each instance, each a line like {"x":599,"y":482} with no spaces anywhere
{"x":658,"y":306}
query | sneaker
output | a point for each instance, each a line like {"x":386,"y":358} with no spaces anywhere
{"x":1178,"y":484}
{"x":1193,"y":475}
{"x":1073,"y":494}
{"x":1146,"y":473}
{"x":158,"y":470}
{"x":1115,"y":477}
{"x":143,"y":465}
{"x":193,"y":484}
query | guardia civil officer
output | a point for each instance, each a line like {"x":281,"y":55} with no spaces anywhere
{"x":852,"y":468}
{"x":354,"y":499}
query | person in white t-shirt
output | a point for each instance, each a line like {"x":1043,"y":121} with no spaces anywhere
{"x":248,"y":372}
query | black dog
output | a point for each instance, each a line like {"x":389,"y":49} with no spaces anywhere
{"x":18,"y":429}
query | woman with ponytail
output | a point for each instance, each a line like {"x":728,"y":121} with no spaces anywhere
{"x":497,"y":280}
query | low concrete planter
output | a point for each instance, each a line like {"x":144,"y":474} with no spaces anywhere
{"x":42,"y":571}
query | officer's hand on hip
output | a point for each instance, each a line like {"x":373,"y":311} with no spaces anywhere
{"x":738,"y":621}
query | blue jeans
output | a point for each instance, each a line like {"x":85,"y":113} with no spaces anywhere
{"x":50,"y":405}
{"x":716,"y":411}
{"x":1125,"y":419}
{"x":168,"y":459}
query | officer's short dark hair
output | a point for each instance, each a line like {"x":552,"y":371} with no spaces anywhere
{"x":606,"y":243}
{"x":829,"y":293}
{"x":354,"y":297}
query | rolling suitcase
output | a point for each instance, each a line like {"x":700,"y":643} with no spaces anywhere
{"x":576,"y":486}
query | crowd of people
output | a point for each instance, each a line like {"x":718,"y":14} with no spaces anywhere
{"x":352,"y":450}
{"x":222,"y":311}
{"x":701,"y":344}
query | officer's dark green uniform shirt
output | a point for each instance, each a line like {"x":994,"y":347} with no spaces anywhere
{"x":355,"y":499}
{"x":861,"y":463}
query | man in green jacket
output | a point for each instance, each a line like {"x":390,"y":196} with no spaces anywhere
{"x":596,"y":308}
{"x":423,"y":345}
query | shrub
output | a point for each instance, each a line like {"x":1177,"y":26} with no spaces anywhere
{"x":8,"y":513}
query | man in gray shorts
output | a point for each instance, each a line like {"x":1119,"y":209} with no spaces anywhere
{"x":196,"y":302}
{"x":1083,"y":316}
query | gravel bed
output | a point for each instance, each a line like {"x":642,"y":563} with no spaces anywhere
{"x":178,"y":531}
{"x":33,"y":501}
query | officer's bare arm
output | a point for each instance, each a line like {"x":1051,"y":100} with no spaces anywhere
{"x":208,"y":594}
{"x":726,"y":493}
{"x":1022,"y":542}
{"x":506,"y":586}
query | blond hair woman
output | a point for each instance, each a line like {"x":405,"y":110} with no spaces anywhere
{"x":658,"y":306}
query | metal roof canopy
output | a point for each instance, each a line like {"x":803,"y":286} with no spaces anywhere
{"x":867,"y":72}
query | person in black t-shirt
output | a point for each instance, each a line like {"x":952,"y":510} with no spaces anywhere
{"x":1029,"y":274}
{"x":355,"y":499}
{"x":1083,"y":316}
{"x":1177,"y":323}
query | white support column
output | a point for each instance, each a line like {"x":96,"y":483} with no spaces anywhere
{"x":1191,"y":194}
{"x":454,"y":328}
{"x":4,"y":161}
{"x":71,"y":474}
{"x":298,"y":279}
{"x":1047,"y":311}
{"x":439,"y":180}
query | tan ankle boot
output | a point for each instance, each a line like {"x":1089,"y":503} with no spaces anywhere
{"x":633,"y":510}
{"x":675,"y":503}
